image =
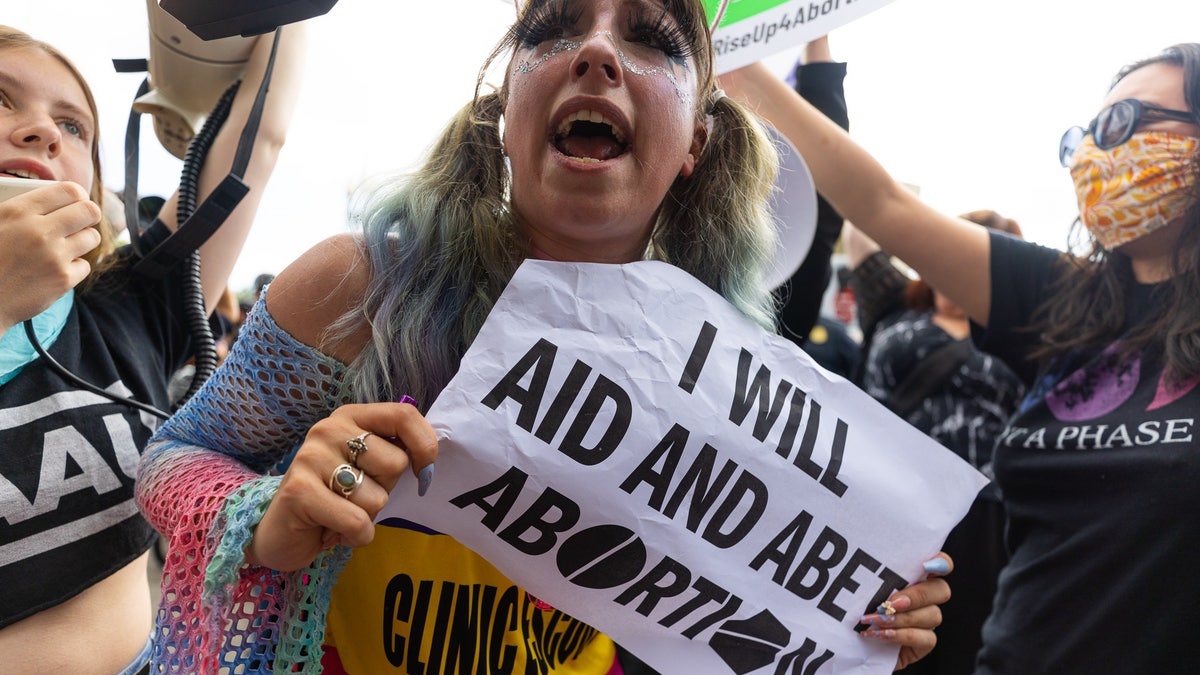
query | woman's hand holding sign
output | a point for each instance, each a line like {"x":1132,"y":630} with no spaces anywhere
{"x":339,"y":481}
{"x":910,"y":615}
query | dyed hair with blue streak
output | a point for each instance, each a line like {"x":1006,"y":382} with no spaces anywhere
{"x":443,"y":242}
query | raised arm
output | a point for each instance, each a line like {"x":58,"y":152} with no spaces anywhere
{"x":951,"y":254}
{"x":817,"y":51}
{"x":819,"y":80}
{"x":857,"y":244}
{"x":221,"y":251}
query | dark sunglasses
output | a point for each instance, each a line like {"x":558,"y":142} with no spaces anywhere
{"x":1115,"y":125}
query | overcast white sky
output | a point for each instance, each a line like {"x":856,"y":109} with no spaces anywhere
{"x":965,"y":98}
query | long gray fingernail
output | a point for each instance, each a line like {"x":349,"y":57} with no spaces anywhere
{"x":424,"y":479}
{"x":937,"y":565}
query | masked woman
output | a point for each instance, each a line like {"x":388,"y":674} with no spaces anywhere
{"x":1098,"y":465}
{"x":619,"y":148}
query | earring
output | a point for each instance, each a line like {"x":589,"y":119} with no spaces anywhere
{"x":500,"y":132}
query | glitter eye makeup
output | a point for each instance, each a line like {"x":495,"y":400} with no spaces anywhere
{"x":566,"y":45}
{"x":562,"y":45}
{"x":650,"y":40}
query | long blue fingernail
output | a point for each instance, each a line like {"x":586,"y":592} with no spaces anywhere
{"x":938,"y":565}
{"x":409,"y":400}
{"x":424,"y":479}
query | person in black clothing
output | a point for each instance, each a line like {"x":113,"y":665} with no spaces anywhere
{"x":919,"y":361}
{"x":1098,"y":466}
{"x":75,"y":548}
{"x":832,"y":347}
{"x":819,"y":79}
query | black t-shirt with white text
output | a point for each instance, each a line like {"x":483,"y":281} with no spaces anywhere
{"x":68,"y":457}
{"x":1098,"y":469}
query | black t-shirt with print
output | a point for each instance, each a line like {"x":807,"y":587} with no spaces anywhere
{"x":1099,"y":470}
{"x":68,"y":457}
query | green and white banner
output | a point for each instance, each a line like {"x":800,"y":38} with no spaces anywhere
{"x":752,"y":30}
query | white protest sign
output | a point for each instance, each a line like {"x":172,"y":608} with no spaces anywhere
{"x":623,"y":444}
{"x":752,"y":30}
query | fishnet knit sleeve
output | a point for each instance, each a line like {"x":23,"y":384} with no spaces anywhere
{"x":203,"y":483}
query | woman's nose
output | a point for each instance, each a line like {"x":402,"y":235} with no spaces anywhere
{"x":37,"y":130}
{"x":598,"y":57}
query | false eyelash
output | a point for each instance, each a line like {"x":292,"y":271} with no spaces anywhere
{"x":539,"y":25}
{"x":675,"y":40}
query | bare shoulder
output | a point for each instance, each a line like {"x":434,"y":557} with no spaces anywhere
{"x":324,"y":283}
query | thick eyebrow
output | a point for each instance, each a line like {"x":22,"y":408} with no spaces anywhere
{"x":11,"y":83}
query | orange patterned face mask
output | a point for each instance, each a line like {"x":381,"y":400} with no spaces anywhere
{"x":1136,"y":187}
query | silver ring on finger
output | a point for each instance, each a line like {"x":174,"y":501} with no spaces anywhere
{"x":345,"y":479}
{"x":357,"y":445}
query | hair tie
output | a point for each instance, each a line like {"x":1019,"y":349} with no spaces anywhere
{"x":715,"y":98}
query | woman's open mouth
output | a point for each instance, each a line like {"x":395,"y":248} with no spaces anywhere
{"x":20,"y":173}
{"x":589,"y":136}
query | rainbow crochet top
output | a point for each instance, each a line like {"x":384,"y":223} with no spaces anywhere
{"x":204,"y":484}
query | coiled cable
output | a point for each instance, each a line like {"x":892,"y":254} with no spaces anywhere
{"x":195,"y":315}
